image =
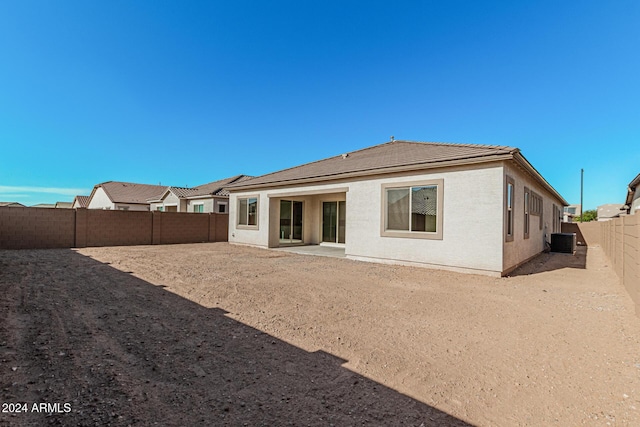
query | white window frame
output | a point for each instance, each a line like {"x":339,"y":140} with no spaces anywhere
{"x":200,"y":204}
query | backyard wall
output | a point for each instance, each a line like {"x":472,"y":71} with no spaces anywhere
{"x":34,"y":228}
{"x":587,"y":233}
{"x":621,"y":243}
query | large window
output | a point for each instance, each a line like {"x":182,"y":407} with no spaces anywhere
{"x":509,"y":203}
{"x":248,"y":211}
{"x":199,"y":208}
{"x":413,"y":210}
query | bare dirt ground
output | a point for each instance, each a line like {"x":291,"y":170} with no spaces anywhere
{"x":215,"y":334}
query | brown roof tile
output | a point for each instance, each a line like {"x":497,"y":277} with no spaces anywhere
{"x":380,"y":158}
{"x":83,"y":201}
{"x":128,"y":192}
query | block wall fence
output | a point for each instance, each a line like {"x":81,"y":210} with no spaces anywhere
{"x":620,"y":239}
{"x":42,"y":228}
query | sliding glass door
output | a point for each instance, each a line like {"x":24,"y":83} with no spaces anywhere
{"x":290,"y":221}
{"x":334,"y":216}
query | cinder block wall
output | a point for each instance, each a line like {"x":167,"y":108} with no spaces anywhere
{"x":117,"y":228}
{"x":174,"y":227}
{"x":33,"y":228}
{"x":219,"y":227}
{"x":621,"y":243}
{"x":36,"y":228}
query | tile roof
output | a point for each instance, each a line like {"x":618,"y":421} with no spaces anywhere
{"x":381,"y":158}
{"x":215,"y":188}
{"x":218,"y":188}
{"x":129,"y":192}
{"x":83,"y":201}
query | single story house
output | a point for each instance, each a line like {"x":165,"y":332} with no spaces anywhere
{"x":211,"y":197}
{"x":124,"y":196}
{"x":462,"y":207}
{"x":80,"y":202}
{"x":609,"y":211}
{"x":571,"y":212}
{"x":632,"y":202}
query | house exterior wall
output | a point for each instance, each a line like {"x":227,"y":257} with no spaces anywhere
{"x":100,"y":200}
{"x":635,"y":204}
{"x":521,"y":249}
{"x":472,"y":222}
{"x":210,"y":204}
{"x":472,"y":219}
{"x":265,"y":234}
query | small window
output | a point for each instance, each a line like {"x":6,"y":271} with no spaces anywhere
{"x":526,"y":212}
{"x":509,"y":203}
{"x":413,"y":211}
{"x":248,"y":211}
{"x":222,"y":208}
{"x":160,"y":208}
{"x":198,"y":208}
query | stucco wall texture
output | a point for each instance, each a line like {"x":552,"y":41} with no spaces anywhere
{"x":473,"y":237}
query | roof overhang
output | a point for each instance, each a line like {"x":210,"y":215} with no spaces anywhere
{"x":370,"y":172}
{"x":515,"y":155}
{"x":524,"y":163}
{"x":631,"y":190}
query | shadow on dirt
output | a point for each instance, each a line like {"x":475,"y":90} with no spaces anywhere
{"x":123,"y":351}
{"x":553,"y":261}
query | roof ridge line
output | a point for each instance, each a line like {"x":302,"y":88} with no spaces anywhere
{"x":458,"y":144}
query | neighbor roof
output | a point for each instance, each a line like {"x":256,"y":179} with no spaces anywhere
{"x":128,"y":192}
{"x":12,"y":204}
{"x":393,"y":156}
{"x":83,"y":201}
{"x":215,"y":188}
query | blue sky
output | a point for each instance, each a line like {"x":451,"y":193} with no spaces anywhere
{"x":184,"y":93}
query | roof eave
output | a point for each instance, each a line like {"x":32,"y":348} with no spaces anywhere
{"x":378,"y":171}
{"x":522,"y":161}
{"x":631,"y":189}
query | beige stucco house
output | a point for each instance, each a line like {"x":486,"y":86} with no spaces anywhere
{"x":210,"y":197}
{"x":471,"y":208}
{"x":80,"y":202}
{"x":125,"y":196}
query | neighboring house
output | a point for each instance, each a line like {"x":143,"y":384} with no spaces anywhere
{"x":63,"y":205}
{"x":609,"y":211}
{"x":12,"y":205}
{"x":211,"y":197}
{"x":471,"y":208}
{"x":80,"y":202}
{"x":123,"y":196}
{"x":44,"y":205}
{"x":571,"y":212}
{"x":632,"y":203}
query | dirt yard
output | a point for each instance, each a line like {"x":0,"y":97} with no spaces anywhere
{"x":215,"y":334}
